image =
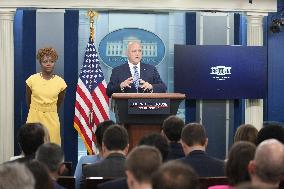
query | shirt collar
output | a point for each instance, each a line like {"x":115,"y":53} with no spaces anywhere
{"x":132,"y":65}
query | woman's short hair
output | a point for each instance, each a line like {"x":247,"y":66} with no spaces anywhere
{"x":47,"y":51}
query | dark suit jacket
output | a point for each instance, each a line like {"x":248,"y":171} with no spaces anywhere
{"x":111,"y":166}
{"x":119,"y":183}
{"x":204,"y":165}
{"x":147,"y":72}
{"x":176,"y":151}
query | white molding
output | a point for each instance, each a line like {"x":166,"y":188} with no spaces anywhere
{"x":7,"y":9}
{"x":6,"y":85}
{"x":51,"y":10}
{"x":157,"y":5}
{"x":214,"y":14}
{"x":7,"y":14}
{"x":257,"y":14}
{"x":254,"y":107}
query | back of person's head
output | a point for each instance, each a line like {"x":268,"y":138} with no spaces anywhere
{"x":142,"y":161}
{"x":194,"y":134}
{"x":270,"y":130}
{"x":115,"y":137}
{"x":268,"y":162}
{"x":15,"y":176}
{"x":40,"y":172}
{"x":51,"y":155}
{"x":30,"y":137}
{"x":240,"y":155}
{"x":157,"y":140}
{"x":246,"y":132}
{"x":249,"y":185}
{"x":100,"y":131}
{"x":175,"y":175}
{"x":172,"y":127}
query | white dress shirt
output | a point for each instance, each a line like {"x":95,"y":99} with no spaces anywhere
{"x":132,"y":69}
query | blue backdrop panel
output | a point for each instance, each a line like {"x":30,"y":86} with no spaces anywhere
{"x":239,"y":104}
{"x":275,"y":103}
{"x":25,"y":64}
{"x":71,"y":24}
{"x":190,"y":22}
{"x":237,"y":32}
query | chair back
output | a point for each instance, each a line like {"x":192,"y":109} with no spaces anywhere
{"x":206,"y":182}
{"x":93,"y":182}
{"x":66,"y":181}
{"x":68,"y":169}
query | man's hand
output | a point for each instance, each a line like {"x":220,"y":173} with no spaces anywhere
{"x":126,"y":83}
{"x":145,"y":85}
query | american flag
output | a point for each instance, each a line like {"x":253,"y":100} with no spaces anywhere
{"x":92,"y":103}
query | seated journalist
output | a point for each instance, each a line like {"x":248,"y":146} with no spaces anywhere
{"x":134,"y":76}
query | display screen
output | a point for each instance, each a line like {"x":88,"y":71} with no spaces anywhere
{"x":220,"y":72}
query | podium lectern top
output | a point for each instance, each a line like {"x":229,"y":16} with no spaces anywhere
{"x":148,"y":95}
{"x":144,"y":113}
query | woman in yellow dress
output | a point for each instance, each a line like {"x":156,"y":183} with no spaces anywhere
{"x":45,"y":93}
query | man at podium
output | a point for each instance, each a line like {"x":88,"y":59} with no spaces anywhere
{"x":134,"y":76}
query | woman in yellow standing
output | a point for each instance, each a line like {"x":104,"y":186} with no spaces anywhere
{"x":45,"y":92}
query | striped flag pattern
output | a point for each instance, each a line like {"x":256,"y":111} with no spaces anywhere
{"x":92,"y":103}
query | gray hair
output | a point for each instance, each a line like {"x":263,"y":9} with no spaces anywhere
{"x":51,"y":155}
{"x":15,"y":176}
{"x":269,"y":161}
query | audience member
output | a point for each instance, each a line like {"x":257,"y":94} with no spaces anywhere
{"x":52,"y":156}
{"x":40,"y":172}
{"x":46,"y":140}
{"x":246,"y":132}
{"x":30,"y":137}
{"x":140,"y":165}
{"x":249,"y":185}
{"x":157,"y":140}
{"x":115,"y":147}
{"x":175,"y":175}
{"x":16,"y":175}
{"x":171,"y":129}
{"x":271,"y":130}
{"x":267,"y":168}
{"x":88,"y":159}
{"x":240,"y":155}
{"x":194,"y":142}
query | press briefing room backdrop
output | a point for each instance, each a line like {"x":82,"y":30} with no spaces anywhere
{"x":68,"y":30}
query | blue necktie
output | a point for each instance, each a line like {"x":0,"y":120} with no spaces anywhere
{"x":136,"y":77}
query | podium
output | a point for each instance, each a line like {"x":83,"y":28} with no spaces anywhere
{"x":144,"y":113}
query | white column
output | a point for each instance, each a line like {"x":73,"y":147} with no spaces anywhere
{"x":6,"y":84}
{"x":254,"y":107}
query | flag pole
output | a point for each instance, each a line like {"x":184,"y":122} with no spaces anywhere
{"x":92,"y":15}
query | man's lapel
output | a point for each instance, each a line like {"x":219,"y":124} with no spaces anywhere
{"x":143,"y":71}
{"x":126,"y":70}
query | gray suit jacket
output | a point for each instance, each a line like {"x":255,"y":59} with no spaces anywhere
{"x":112,"y":166}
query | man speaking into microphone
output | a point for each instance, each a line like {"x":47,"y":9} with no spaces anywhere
{"x":134,"y":76}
